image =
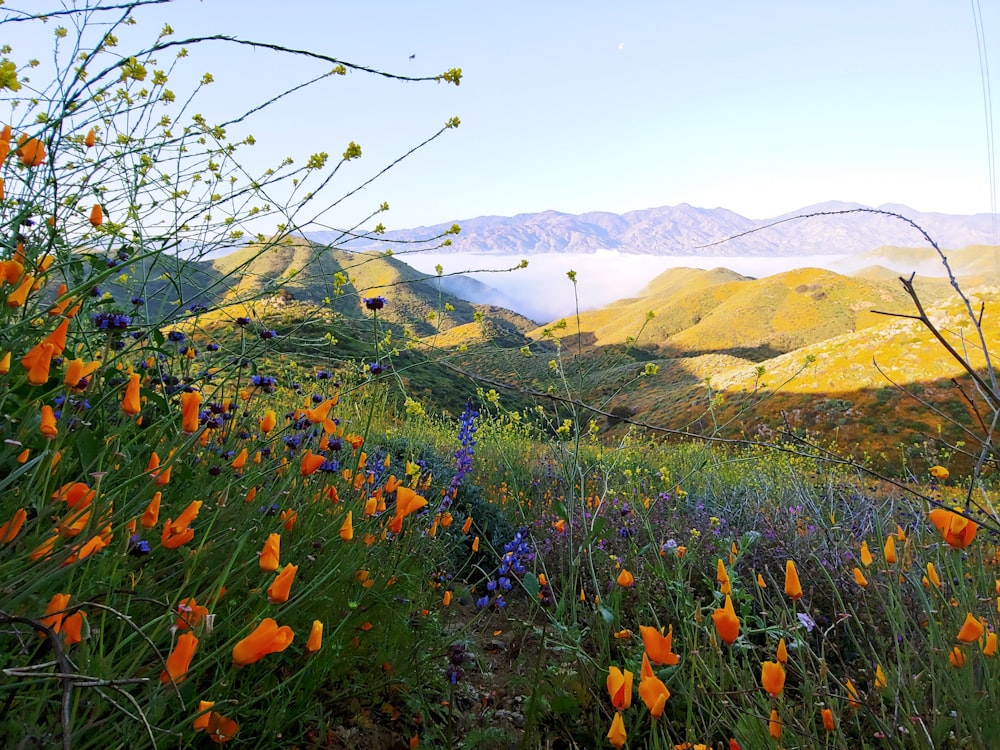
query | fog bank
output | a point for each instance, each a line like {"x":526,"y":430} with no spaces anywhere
{"x":543,"y":292}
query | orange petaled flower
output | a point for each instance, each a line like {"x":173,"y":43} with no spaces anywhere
{"x":280,"y":588}
{"x":48,"y":425}
{"x":617,"y":735}
{"x":620,"y":688}
{"x":19,"y":296}
{"x":890,"y":550}
{"x":77,"y":373}
{"x":828,"y":722}
{"x":31,"y":151}
{"x":654,"y":694}
{"x":130,"y":403}
{"x":446,"y":600}
{"x":774,"y":725}
{"x":72,"y":627}
{"x":347,"y":527}
{"x":90,"y":139}
{"x":190,"y":614}
{"x":267,"y":638}
{"x":170,"y":539}
{"x":186,"y":517}
{"x":271,"y":553}
{"x":10,"y":529}
{"x":475,"y":544}
{"x":320,"y":412}
{"x":151,"y":516}
{"x":190,"y":403}
{"x":467,"y":525}
{"x":38,"y":361}
{"x":957,"y":530}
{"x":957,"y":657}
{"x":760,"y":581}
{"x":972,"y":630}
{"x":932,"y":577}
{"x":180,"y":659}
{"x":268,"y":421}
{"x":781,"y":653}
{"x":5,"y":363}
{"x":990,"y":646}
{"x":866,"y":555}
{"x":772,"y":678}
{"x":625,"y":579}
{"x":939,"y":472}
{"x":727,"y":624}
{"x":315,"y":641}
{"x":241,"y":459}
{"x":76,"y":495}
{"x":792,"y":586}
{"x":859,"y":577}
{"x":880,"y":681}
{"x":55,"y":612}
{"x":311,"y":463}
{"x":220,"y":729}
{"x":96,"y":215}
{"x":659,"y":646}
{"x":853,"y":699}
{"x":725,"y":587}
{"x":407,"y":502}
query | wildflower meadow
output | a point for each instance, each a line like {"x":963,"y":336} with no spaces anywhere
{"x":224,"y":524}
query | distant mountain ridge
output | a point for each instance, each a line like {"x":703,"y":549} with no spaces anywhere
{"x":686,"y":230}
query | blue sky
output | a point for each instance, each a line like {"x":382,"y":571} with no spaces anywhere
{"x":760,"y":107}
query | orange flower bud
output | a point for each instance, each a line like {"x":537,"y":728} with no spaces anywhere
{"x":130,"y":403}
{"x":31,"y":151}
{"x":315,"y":637}
{"x":270,"y":555}
{"x":96,"y":215}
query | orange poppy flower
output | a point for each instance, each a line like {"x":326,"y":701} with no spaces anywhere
{"x":48,"y":425}
{"x":72,"y":627}
{"x":990,"y":646}
{"x":31,"y":151}
{"x":37,"y":362}
{"x":890,"y":550}
{"x":725,"y":587}
{"x":972,"y":630}
{"x":130,"y":403}
{"x":180,"y":659}
{"x":625,"y":579}
{"x":267,"y":638}
{"x":10,"y":529}
{"x":828,"y":721}
{"x":772,"y":678}
{"x":880,"y":681}
{"x":859,"y":577}
{"x":219,"y":728}
{"x":90,"y":139}
{"x":957,"y":530}
{"x":957,"y":657}
{"x":271,"y":553}
{"x":774,"y":725}
{"x":151,"y":516}
{"x":347,"y":528}
{"x":96,"y":215}
{"x":727,"y":624}
{"x":866,"y":555}
{"x":186,"y":517}
{"x":620,"y":688}
{"x":77,"y":371}
{"x":190,"y":403}
{"x":311,"y":463}
{"x":654,"y":694}
{"x":659,"y":646}
{"x":279,"y":590}
{"x":792,"y":586}
{"x":315,"y":641}
{"x":407,"y":502}
{"x":617,"y":735}
{"x":54,"y":612}
{"x":781,"y":653}
{"x":190,"y":614}
{"x":170,"y":539}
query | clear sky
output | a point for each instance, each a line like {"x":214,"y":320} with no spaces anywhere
{"x":761,"y":107}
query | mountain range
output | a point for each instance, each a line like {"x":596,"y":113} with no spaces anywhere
{"x":832,"y":228}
